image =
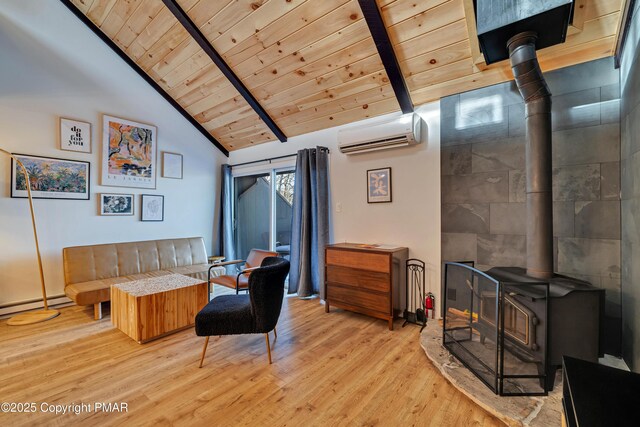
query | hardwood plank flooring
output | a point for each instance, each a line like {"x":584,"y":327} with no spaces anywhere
{"x":328,"y":369}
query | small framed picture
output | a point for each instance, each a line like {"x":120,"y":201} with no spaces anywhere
{"x":116,"y":204}
{"x":171,"y":165}
{"x":75,"y":135}
{"x":152,"y":208}
{"x":379,"y":185}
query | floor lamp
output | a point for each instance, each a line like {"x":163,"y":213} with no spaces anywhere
{"x":38,"y":315}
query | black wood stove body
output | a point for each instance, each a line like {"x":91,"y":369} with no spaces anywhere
{"x":512,"y":330}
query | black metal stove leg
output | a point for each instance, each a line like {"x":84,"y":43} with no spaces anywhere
{"x":550,"y":376}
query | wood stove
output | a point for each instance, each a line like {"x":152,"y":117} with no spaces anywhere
{"x":509,"y":319}
{"x":511,"y":330}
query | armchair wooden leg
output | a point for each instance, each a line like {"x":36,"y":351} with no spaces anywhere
{"x":275,"y":333}
{"x":97,"y":311}
{"x":266,"y":336}
{"x":204,"y":351}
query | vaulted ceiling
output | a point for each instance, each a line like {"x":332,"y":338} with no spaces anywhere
{"x":312,"y":64}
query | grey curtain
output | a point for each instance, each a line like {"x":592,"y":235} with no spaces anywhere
{"x":310,"y":222}
{"x":226,"y":245}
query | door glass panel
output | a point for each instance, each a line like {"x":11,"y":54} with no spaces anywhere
{"x":251,"y":213}
{"x":285,"y":182}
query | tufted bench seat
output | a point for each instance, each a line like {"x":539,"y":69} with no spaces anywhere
{"x":90,"y":271}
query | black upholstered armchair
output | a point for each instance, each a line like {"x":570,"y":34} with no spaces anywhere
{"x":255,"y":313}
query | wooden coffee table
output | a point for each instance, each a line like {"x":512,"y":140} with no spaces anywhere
{"x":150,"y":308}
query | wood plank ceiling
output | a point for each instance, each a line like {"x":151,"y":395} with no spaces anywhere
{"x":312,"y":64}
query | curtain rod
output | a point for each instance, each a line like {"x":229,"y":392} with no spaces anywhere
{"x":273,"y":158}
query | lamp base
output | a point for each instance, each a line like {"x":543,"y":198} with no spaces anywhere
{"x":32,"y":317}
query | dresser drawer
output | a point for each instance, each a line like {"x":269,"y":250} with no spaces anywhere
{"x":364,"y":279}
{"x":358,"y":259}
{"x":360,"y":298}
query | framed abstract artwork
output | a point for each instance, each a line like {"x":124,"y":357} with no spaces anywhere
{"x":51,"y":178}
{"x":171,"y":165}
{"x":379,"y":185}
{"x":152,"y":208}
{"x":75,"y":135}
{"x":128,"y":153}
{"x":116,"y":204}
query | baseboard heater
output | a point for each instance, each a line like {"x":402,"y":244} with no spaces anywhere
{"x":16,"y":307}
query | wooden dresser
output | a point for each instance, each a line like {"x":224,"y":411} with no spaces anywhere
{"x":370,"y":281}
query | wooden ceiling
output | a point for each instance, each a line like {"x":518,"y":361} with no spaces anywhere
{"x":312,"y":64}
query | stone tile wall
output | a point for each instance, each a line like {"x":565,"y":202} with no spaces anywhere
{"x":630,"y":133}
{"x":483,"y":178}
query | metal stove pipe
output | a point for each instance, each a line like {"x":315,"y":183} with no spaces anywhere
{"x":537,"y":101}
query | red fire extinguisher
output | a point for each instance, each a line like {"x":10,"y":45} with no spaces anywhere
{"x":430,"y":304}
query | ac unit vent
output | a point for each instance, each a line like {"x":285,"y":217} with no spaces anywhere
{"x":407,"y":130}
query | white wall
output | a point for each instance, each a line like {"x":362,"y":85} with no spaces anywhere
{"x":412,"y":219}
{"x":52,"y":65}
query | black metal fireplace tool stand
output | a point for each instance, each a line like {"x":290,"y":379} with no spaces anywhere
{"x":417,"y":299}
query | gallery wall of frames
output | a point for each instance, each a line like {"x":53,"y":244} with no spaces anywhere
{"x":129,"y":159}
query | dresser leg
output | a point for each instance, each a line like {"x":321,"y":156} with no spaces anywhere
{"x":391,"y":324}
{"x":326,"y":306}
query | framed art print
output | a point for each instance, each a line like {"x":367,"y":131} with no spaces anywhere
{"x":116,"y":204}
{"x":171,"y":165}
{"x":50,"y":178}
{"x":152,"y":208}
{"x":75,"y":135}
{"x":379,"y":185}
{"x":128,"y":153}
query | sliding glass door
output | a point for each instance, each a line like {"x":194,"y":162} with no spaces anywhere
{"x":262,"y":212}
{"x":252,"y":219}
{"x":285,"y":183}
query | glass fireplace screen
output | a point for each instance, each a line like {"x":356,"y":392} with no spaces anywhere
{"x":498,"y":330}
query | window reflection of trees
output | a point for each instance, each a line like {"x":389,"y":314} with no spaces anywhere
{"x":285,"y":183}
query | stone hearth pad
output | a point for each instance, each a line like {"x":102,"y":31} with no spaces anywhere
{"x":531,"y":411}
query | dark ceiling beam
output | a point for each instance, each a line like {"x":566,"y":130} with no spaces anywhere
{"x":385,"y":50}
{"x":197,"y":35}
{"x":93,"y":27}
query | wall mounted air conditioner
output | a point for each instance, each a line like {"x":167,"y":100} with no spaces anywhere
{"x":407,"y":130}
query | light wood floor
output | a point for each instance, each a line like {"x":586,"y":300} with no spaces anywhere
{"x":328,"y":369}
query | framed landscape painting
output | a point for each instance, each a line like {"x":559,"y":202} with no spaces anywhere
{"x":128,"y":153}
{"x":152,"y":208}
{"x":379,"y":185}
{"x":50,"y":178}
{"x":116,"y":204}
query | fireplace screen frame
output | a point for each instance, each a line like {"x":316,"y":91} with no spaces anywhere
{"x":503,"y":293}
